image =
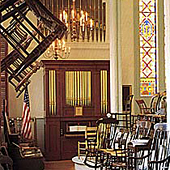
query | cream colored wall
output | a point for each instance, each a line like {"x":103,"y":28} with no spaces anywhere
{"x":127,"y":42}
{"x":88,"y":51}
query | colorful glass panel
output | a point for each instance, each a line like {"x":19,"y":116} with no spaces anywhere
{"x":148,"y":56}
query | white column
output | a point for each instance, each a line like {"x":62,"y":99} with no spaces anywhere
{"x":113,"y":56}
{"x":167,"y":55}
{"x":119,"y":57}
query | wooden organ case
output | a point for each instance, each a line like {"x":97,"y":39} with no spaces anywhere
{"x":76,"y":95}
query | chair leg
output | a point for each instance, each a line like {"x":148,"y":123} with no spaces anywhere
{"x":96,"y":161}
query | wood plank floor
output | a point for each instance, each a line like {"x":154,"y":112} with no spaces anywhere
{"x":59,"y":165}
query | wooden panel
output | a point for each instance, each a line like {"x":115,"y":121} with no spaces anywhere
{"x":60,"y":143}
{"x":52,"y":136}
{"x":69,"y":146}
{"x":76,"y":65}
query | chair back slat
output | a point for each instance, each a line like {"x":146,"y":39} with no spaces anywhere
{"x":143,"y":107}
{"x":160,"y":147}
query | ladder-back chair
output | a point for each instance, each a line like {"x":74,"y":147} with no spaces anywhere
{"x":142,"y":129}
{"x":124,"y":118}
{"x":158,"y":157}
{"x":106,"y":130}
{"x":90,"y":135}
{"x":21,"y":32}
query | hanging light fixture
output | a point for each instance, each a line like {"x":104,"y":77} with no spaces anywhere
{"x":57,"y":50}
{"x":60,"y":50}
{"x":79,"y":22}
{"x":85,"y":20}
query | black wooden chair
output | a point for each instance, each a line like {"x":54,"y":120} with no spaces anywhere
{"x":158,"y":157}
{"x":124,"y":118}
{"x":117,"y":157}
{"x":20,"y":31}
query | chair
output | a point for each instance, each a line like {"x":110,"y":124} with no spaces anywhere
{"x":128,"y":103}
{"x":121,"y":138}
{"x":20,"y":31}
{"x":117,"y":158}
{"x":15,"y":127}
{"x":106,"y":130}
{"x":158,"y":157}
{"x":5,"y":160}
{"x":142,"y":129}
{"x":90,"y":135}
{"x":124,"y":118}
{"x":128,"y":108}
{"x":154,"y":103}
{"x":143,"y":107}
{"x":162,"y":105}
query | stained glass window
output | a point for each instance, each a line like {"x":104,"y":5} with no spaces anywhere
{"x":148,"y":45}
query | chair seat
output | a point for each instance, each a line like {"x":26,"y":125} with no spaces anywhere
{"x":119,"y":164}
{"x":118,"y":153}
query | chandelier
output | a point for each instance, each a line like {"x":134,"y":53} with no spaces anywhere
{"x":85,"y":19}
{"x":57,"y":50}
{"x":79,"y":22}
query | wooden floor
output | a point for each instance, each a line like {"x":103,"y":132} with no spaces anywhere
{"x":59,"y":165}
